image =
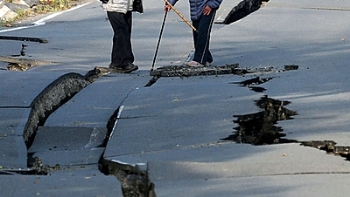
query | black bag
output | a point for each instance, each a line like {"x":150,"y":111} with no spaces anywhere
{"x":137,"y":6}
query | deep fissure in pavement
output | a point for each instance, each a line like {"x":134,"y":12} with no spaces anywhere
{"x":259,"y":128}
{"x":134,"y":181}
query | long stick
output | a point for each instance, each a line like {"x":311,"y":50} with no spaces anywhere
{"x":160,"y":36}
{"x":180,"y":15}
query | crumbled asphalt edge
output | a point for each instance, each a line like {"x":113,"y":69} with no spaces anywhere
{"x":52,"y":97}
{"x":243,"y":9}
{"x":185,"y":71}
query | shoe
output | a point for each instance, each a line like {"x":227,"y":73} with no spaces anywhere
{"x":129,"y":68}
{"x":194,"y":64}
{"x":124,"y":69}
{"x":207,"y":64}
{"x":112,"y":65}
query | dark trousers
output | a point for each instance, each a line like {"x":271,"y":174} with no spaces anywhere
{"x":121,"y":51}
{"x":201,"y":38}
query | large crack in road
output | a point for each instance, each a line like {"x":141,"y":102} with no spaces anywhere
{"x":134,"y":181}
{"x":257,"y":129}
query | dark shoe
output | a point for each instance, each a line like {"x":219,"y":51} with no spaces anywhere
{"x":129,"y":68}
{"x":111,"y":65}
{"x":124,"y":69}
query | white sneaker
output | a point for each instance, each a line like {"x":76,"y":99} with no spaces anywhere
{"x":194,"y":64}
{"x":207,"y":64}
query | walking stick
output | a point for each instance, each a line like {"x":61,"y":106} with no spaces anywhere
{"x":180,"y":15}
{"x":160,"y":36}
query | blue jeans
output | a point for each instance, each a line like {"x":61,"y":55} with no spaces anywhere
{"x":201,"y":38}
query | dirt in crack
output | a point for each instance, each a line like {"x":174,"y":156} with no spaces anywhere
{"x":259,"y":128}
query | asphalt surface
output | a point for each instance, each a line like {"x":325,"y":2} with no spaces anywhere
{"x":173,"y":129}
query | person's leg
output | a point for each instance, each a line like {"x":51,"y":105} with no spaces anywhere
{"x":121,"y":51}
{"x":195,"y":24}
{"x":201,"y":38}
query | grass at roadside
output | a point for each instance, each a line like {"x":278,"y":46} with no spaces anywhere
{"x":43,"y":7}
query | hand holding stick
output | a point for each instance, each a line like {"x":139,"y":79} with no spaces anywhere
{"x":180,"y":15}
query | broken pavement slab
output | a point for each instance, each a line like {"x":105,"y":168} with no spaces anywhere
{"x":68,"y":146}
{"x":15,"y":110}
{"x":186,"y":112}
{"x":192,"y":155}
{"x":105,"y":96}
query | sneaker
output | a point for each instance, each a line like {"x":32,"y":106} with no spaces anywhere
{"x":125,"y":69}
{"x":194,"y":64}
{"x":207,"y":64}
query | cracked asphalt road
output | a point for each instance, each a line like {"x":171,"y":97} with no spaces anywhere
{"x":172,"y":129}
